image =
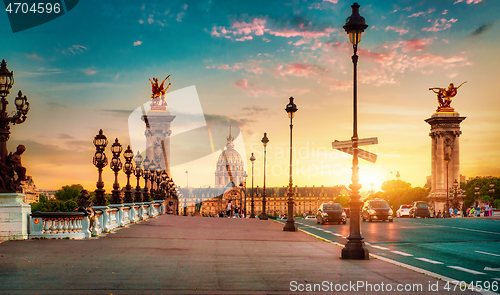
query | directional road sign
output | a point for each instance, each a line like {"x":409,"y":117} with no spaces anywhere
{"x":346,"y":147}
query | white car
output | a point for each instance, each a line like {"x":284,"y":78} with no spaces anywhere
{"x":310,"y":217}
{"x":404,"y":210}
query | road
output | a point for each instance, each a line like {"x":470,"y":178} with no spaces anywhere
{"x":462,"y":249}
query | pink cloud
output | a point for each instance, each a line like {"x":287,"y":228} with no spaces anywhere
{"x":243,"y":83}
{"x":332,"y":1}
{"x":413,"y":44}
{"x":417,"y":14}
{"x":295,"y":90}
{"x":300,"y":70}
{"x":469,"y":1}
{"x":398,"y":30}
{"x":137,"y":43}
{"x":244,"y":38}
{"x":440,"y":24}
{"x":445,"y":11}
{"x":257,"y":26}
{"x":287,"y":33}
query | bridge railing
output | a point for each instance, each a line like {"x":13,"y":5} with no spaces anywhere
{"x":78,"y":225}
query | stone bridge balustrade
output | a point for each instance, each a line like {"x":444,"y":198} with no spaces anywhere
{"x":76,"y":225}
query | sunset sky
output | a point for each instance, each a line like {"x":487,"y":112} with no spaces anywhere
{"x":89,"y":69}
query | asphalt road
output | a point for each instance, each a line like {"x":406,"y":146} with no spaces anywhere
{"x":466,"y":250}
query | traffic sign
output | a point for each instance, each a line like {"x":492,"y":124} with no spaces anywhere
{"x":348,"y":143}
{"x":365,"y":155}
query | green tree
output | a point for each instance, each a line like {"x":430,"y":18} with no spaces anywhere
{"x":69,"y":192}
{"x":342,"y":200}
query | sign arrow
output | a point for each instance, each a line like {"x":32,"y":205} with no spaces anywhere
{"x":348,"y":143}
{"x":365,"y":155}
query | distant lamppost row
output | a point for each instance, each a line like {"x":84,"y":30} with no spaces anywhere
{"x":116,"y":166}
{"x":291,"y":108}
{"x":355,"y":247}
{"x":138,"y":173}
{"x":252,"y":213}
{"x":263,"y":215}
{"x":22,"y":106}
{"x":100,"y":161}
{"x":128,"y":168}
{"x":145,"y":174}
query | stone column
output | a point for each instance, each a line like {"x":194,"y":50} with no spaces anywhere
{"x":445,"y":132}
{"x":158,"y":133}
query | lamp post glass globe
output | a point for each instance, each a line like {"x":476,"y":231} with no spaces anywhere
{"x":6,"y":80}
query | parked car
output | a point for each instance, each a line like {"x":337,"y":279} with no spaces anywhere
{"x":376,"y":209}
{"x":404,"y":210}
{"x":347,"y":212}
{"x":331,"y":212}
{"x":420,"y":209}
{"x":310,"y":217}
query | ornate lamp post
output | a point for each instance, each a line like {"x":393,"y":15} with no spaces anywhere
{"x":128,"y":168}
{"x":166,"y":192}
{"x":252,"y":214}
{"x":152,"y":178}
{"x":100,"y":161}
{"x":291,"y":108}
{"x":397,"y":184}
{"x":476,"y":193}
{"x":116,"y":166}
{"x":145,"y":174}
{"x":22,"y":107}
{"x":160,"y":195}
{"x":355,"y":247}
{"x":263,"y":215}
{"x":138,"y":173}
{"x":447,"y":161}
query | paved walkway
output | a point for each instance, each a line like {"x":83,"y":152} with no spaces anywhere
{"x":196,"y":255}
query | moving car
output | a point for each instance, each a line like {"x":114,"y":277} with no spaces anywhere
{"x":404,"y":210}
{"x":420,"y":209}
{"x":330,"y":212}
{"x":310,"y":217}
{"x":376,"y":209}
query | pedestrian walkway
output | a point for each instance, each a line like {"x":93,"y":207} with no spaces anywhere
{"x":197,"y":255}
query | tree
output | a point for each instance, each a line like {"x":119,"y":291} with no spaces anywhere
{"x":69,"y":192}
{"x":342,"y":200}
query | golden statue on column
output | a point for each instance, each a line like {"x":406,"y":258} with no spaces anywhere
{"x":444,"y":96}
{"x":158,"y":92}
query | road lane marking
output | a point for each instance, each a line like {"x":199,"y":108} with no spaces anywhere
{"x":491,"y":269}
{"x":428,"y":260}
{"x":467,"y":270}
{"x":380,"y":247}
{"x":469,"y":229}
{"x":401,"y":253}
{"x":336,"y":234}
{"x":487,"y":253}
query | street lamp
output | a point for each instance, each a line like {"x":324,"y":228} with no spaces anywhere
{"x":397,"y":185}
{"x":355,"y":247}
{"x":263,"y":215}
{"x":291,"y":108}
{"x":447,"y":161}
{"x":152,"y":178}
{"x":100,"y":161}
{"x":138,"y":172}
{"x":116,"y":166}
{"x":245,"y":175}
{"x":158,"y":178}
{"x":166,"y":192}
{"x":252,"y":214}
{"x":128,"y":168}
{"x":145,"y":174}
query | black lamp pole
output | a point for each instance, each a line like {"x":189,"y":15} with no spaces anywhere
{"x":291,"y":108}
{"x":263,"y":215}
{"x":138,"y":172}
{"x":152,"y":177}
{"x":145,"y":194}
{"x":100,"y":161}
{"x":355,"y":247}
{"x":116,"y":166}
{"x":128,"y":168}
{"x":252,"y":214}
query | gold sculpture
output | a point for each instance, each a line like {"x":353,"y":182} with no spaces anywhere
{"x":444,"y":97}
{"x":159,"y":92}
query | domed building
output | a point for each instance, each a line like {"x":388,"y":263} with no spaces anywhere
{"x":229,"y":170}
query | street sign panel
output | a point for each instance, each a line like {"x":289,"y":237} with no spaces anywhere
{"x":365,"y":155}
{"x":348,"y":143}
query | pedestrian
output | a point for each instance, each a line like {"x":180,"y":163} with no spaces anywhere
{"x":439,"y":214}
{"x":451,"y":212}
{"x":229,"y":208}
{"x":486,"y":210}
{"x":478,"y":211}
{"x":455,"y":212}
